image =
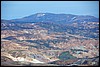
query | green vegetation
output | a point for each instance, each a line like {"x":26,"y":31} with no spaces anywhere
{"x":66,"y":55}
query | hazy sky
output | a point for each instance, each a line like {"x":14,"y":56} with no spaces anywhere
{"x":19,"y":9}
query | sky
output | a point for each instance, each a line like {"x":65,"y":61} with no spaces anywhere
{"x":19,"y":9}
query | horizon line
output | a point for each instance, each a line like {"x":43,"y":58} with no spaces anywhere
{"x":50,"y":13}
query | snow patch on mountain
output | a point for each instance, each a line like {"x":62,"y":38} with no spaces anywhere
{"x":73,"y":19}
{"x":40,"y":14}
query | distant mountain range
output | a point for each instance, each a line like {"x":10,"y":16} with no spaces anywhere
{"x":73,"y":24}
{"x":56,"y":18}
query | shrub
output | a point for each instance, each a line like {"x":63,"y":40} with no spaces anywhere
{"x":66,"y":55}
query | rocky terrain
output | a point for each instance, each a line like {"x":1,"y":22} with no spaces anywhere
{"x":46,"y":39}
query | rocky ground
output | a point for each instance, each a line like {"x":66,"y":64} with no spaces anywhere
{"x":38,"y":44}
